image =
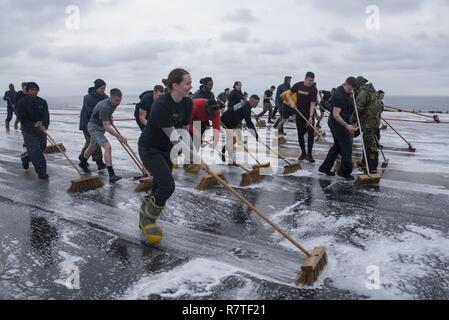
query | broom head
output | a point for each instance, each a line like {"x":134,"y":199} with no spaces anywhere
{"x":86,"y":184}
{"x":281,"y":140}
{"x":410,"y":148}
{"x":384,"y":164}
{"x":54,"y":149}
{"x":292,"y":168}
{"x":261,"y":124}
{"x":209,"y":181}
{"x":144,"y":184}
{"x":365,"y":179}
{"x":140,"y":177}
{"x":436,"y":119}
{"x":312,"y":267}
{"x":250,"y":177}
{"x":262,"y":165}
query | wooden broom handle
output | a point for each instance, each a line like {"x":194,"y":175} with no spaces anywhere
{"x":310,"y":124}
{"x":260,"y":214}
{"x":275,"y":153}
{"x":229,"y":158}
{"x":65,"y":154}
{"x":244,"y":148}
{"x":131,"y":153}
{"x":407,"y":111}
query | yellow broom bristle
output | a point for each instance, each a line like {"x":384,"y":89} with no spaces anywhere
{"x":85,"y":184}
{"x":313,"y":266}
{"x":209,"y":181}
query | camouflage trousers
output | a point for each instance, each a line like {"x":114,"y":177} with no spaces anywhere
{"x":370,"y":141}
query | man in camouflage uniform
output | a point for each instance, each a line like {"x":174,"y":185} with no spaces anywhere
{"x":369,"y":108}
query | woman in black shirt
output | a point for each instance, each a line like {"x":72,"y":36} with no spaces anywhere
{"x":160,"y":142}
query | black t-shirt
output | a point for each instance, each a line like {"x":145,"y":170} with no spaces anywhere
{"x":343,"y":101}
{"x":326,"y":95}
{"x":306,"y":95}
{"x":234,"y":115}
{"x":234,"y":98}
{"x":20,"y":95}
{"x":165,"y":113}
{"x":268,"y":94}
{"x":146,"y":101}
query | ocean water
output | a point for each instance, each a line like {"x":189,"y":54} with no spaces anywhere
{"x":425,"y":104}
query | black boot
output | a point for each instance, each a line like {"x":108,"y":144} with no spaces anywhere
{"x":25,"y":161}
{"x":112,"y":176}
{"x":101,"y":165}
{"x":81,"y":159}
{"x":84,"y":165}
{"x":303,"y":156}
{"x":310,"y":158}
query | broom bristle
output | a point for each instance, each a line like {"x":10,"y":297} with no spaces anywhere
{"x":208,"y":181}
{"x":144,"y":185}
{"x":292,"y":168}
{"x":251,"y":177}
{"x":365,"y":179}
{"x":54,"y":149}
{"x":85,"y":184}
{"x":262,"y":165}
{"x":312,"y":267}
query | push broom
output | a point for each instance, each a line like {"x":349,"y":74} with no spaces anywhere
{"x":84,"y":184}
{"x":248,"y":178}
{"x":316,"y":260}
{"x":410,"y":147}
{"x":258,"y":165}
{"x":434,"y":117}
{"x":281,"y":139}
{"x":145,"y":182}
{"x":290,"y":167}
{"x":367,"y":178}
{"x":54,"y":149}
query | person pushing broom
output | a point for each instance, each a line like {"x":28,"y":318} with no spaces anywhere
{"x":159,"y":145}
{"x":100,"y":123}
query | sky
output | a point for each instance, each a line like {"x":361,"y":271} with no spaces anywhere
{"x":133,"y":44}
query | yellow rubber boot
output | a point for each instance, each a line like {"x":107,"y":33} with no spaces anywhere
{"x":149,"y":213}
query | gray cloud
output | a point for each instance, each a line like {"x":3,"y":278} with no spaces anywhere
{"x":133,"y":44}
{"x":241,"y":15}
{"x":240,"y":35}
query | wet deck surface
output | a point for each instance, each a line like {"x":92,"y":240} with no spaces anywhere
{"x":214,"y":247}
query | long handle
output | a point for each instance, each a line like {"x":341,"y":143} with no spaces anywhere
{"x":388,"y":124}
{"x":407,"y":111}
{"x":255,"y":115}
{"x":381,"y":149}
{"x":309,"y":123}
{"x":131,"y":153}
{"x":229,"y":158}
{"x":361,"y":134}
{"x":128,"y":149}
{"x":275,"y":153}
{"x":244,"y":148}
{"x":65,"y":154}
{"x":260,"y":214}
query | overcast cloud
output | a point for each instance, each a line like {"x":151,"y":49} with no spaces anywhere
{"x":133,"y":44}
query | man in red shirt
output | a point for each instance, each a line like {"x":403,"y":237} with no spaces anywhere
{"x":307,"y":97}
